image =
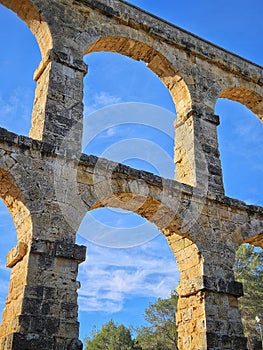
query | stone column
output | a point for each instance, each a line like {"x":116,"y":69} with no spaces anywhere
{"x":190,"y":317}
{"x":196,"y":152}
{"x":207,"y":317}
{"x":58,"y":107}
{"x":41,"y":308}
{"x":224,"y":328}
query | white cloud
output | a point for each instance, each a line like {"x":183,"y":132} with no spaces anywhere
{"x":106,"y":229}
{"x":99,"y":100}
{"x":138,"y":133}
{"x":111,"y":276}
{"x":2,"y":266}
{"x":111,"y":132}
{"x":119,"y":114}
{"x":16,"y":109}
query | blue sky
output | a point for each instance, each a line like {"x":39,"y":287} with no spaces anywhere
{"x":123,"y":280}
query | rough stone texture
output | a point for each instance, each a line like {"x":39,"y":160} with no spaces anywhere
{"x":48,"y":186}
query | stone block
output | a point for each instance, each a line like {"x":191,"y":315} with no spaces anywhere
{"x":16,"y":254}
{"x":65,"y":249}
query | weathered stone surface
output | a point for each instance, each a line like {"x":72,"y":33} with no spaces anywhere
{"x":16,"y":254}
{"x":48,"y":185}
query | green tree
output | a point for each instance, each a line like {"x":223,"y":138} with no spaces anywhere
{"x":161,"y":332}
{"x":111,"y":337}
{"x":249,"y":270}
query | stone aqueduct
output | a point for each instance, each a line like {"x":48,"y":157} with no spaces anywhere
{"x":48,"y":185}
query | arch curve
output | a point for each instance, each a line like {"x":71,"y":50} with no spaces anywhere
{"x":154,"y":60}
{"x":186,"y":252}
{"x":256,"y":240}
{"x":17,"y":259}
{"x":16,"y":205}
{"x":249,"y":98}
{"x":146,"y":206}
{"x":27,"y":11}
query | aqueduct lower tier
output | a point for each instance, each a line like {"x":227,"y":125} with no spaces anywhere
{"x":47,"y":208}
{"x":48,"y":186}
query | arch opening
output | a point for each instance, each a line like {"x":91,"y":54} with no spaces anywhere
{"x":17,"y":64}
{"x":240,"y":134}
{"x":140,"y":108}
{"x":126,"y":121}
{"x":29,"y":14}
{"x":154,"y":60}
{"x":123,"y":271}
{"x":165,"y":221}
{"x":251,"y":99}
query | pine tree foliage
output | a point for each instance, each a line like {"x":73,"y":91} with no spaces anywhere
{"x":161,"y":331}
{"x":159,"y":334}
{"x":111,"y":337}
{"x":249,"y":270}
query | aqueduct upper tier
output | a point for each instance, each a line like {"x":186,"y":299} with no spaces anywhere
{"x":48,"y":185}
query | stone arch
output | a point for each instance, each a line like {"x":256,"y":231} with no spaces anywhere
{"x":15,"y":203}
{"x":252,"y":233}
{"x":17,"y":258}
{"x":33,"y":19}
{"x":146,"y":206}
{"x":249,"y":98}
{"x":28,"y":13}
{"x":256,"y":240}
{"x":148,"y":262}
{"x":251,"y":230}
{"x":22,"y":55}
{"x":154,"y":60}
{"x":181,"y":242}
{"x":172,"y":77}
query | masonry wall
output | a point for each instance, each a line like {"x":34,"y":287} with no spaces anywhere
{"x":48,"y":185}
